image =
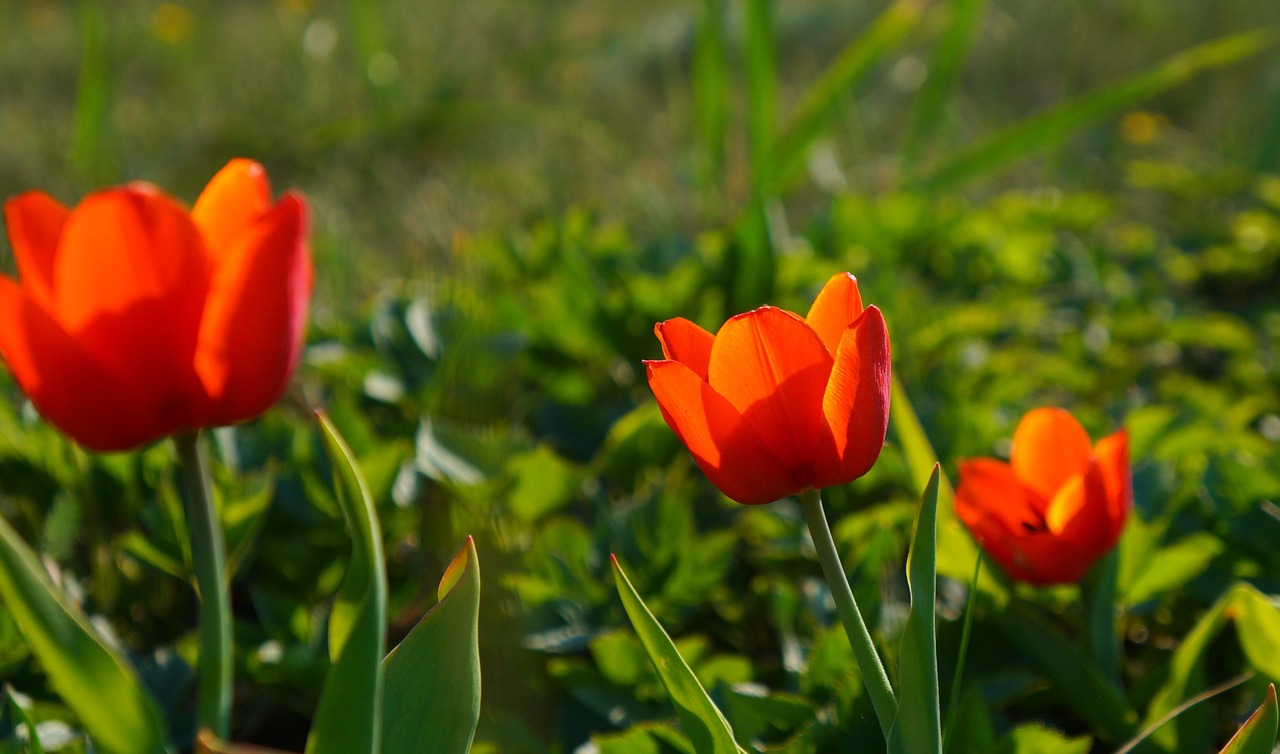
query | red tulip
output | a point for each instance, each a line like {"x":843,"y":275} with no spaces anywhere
{"x":136,"y":318}
{"x":774,"y":404}
{"x":1058,"y":506}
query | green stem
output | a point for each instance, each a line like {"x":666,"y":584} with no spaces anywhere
{"x":1099,"y":593}
{"x":864,"y":650}
{"x":208,"y":555}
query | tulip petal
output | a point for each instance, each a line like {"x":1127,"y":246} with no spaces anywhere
{"x":723,"y":444}
{"x":35,"y":221}
{"x":251,"y":334}
{"x":234,"y":199}
{"x":685,"y":342}
{"x":856,"y":402}
{"x":130,"y":283}
{"x":773,"y":369}
{"x":70,"y":389}
{"x":1049,"y":447}
{"x":836,"y":308}
{"x":1043,"y":559}
{"x":1112,"y":456}
{"x":990,"y":497}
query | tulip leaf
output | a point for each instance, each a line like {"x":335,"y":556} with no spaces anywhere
{"x":347,"y":717}
{"x":1258,"y":734}
{"x":1092,"y":696}
{"x":1258,"y":626}
{"x":94,"y":680}
{"x":706,"y":727}
{"x":956,"y":553}
{"x":22,"y":718}
{"x":432,"y":701}
{"x":918,"y":726}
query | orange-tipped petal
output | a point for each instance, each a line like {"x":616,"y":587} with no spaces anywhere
{"x":856,"y":402}
{"x":234,"y":199}
{"x":130,"y":283}
{"x":71,"y":390}
{"x":1049,"y":447}
{"x":836,"y":308}
{"x":35,"y":221}
{"x":773,"y":369}
{"x":723,"y":444}
{"x":1112,"y":456}
{"x":252,"y":330}
{"x":685,"y":342}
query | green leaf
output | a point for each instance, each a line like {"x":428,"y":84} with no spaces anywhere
{"x":432,"y":701}
{"x":1090,"y":694}
{"x":703,"y":723}
{"x":96,"y":682}
{"x":762,"y":93}
{"x":1258,"y":734}
{"x":710,"y":97}
{"x":22,"y":718}
{"x":918,"y":726}
{"x":1171,"y":567}
{"x":956,"y":553}
{"x":1048,"y":128}
{"x":347,"y":719}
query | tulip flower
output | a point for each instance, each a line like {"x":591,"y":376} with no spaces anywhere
{"x":1056,"y":507}
{"x":136,"y":318}
{"x":775,"y":404}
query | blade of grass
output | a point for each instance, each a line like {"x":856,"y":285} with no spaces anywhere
{"x":954,"y":704}
{"x":432,"y":701}
{"x":710,"y":100}
{"x":762,"y":94}
{"x":1206,"y":695}
{"x":89,"y":157}
{"x":1258,"y":734}
{"x":348,"y":716}
{"x":92,"y":679}
{"x":917,"y":729}
{"x":944,"y":70}
{"x":1052,"y":126}
{"x":1099,"y":597}
{"x":706,"y":727}
{"x":843,"y":73}
{"x":22,"y":718}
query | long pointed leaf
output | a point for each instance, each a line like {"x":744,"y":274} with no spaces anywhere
{"x":94,"y":681}
{"x":710,"y":98}
{"x":706,"y":727}
{"x":432,"y":701}
{"x":1052,"y":126}
{"x":347,"y":719}
{"x":1258,"y":735}
{"x":762,"y":94}
{"x":918,"y":727}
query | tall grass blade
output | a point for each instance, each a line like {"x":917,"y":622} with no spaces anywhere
{"x":918,"y":727}
{"x":853,"y":62}
{"x":762,"y":94}
{"x":954,"y":705}
{"x":1056,"y":124}
{"x":710,"y":101}
{"x":348,"y":717}
{"x":95,"y":681}
{"x":89,"y":154}
{"x":944,"y":70}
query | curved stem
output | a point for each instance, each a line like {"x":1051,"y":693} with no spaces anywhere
{"x":864,"y":649}
{"x":209,"y":558}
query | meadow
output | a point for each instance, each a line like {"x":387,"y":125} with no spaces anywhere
{"x":1053,"y":204}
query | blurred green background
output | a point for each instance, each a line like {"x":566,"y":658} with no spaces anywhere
{"x":1074,"y":204}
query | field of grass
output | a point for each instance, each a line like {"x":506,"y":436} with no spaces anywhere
{"x":1066,"y":204}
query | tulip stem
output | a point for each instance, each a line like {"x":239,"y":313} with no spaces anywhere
{"x":864,"y":649}
{"x":209,"y":558}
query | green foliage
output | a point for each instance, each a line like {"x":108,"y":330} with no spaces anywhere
{"x":1258,"y":735}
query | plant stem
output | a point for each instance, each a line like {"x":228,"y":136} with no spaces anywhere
{"x":208,"y":556}
{"x":1099,"y":592}
{"x":864,"y":650}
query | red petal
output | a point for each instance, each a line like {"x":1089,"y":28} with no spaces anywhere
{"x":1049,"y":447}
{"x":1112,"y":456}
{"x":856,"y":403}
{"x":774,"y":370}
{"x":685,"y":342}
{"x":1043,"y":559}
{"x":71,"y":390}
{"x":726,"y":449}
{"x":1078,"y":514}
{"x":130,"y":284}
{"x":989,"y":496}
{"x":35,"y":221}
{"x":836,"y":308}
{"x":252,"y":330}
{"x":234,"y":199}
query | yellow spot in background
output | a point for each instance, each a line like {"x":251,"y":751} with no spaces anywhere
{"x":171,"y":23}
{"x":1141,"y":127}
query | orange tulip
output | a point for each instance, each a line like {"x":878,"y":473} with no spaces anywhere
{"x":136,"y":318}
{"x":1058,"y":506}
{"x":774,"y":404}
